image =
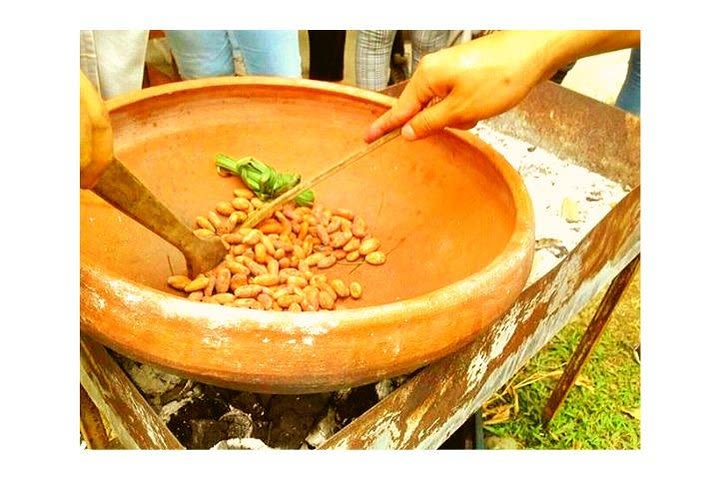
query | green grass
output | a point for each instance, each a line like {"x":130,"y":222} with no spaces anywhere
{"x":594,"y":414}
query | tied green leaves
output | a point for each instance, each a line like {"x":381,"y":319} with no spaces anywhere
{"x":263,"y":180}
{"x":305,"y":198}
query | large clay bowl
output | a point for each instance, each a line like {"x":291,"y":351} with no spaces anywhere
{"x":452,"y":214}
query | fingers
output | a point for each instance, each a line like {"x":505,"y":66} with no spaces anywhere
{"x":93,"y":103}
{"x":416,"y":95}
{"x":85,"y":139}
{"x":96,"y":141}
{"x":406,"y":106}
{"x":383,"y":124}
{"x":430,"y":120}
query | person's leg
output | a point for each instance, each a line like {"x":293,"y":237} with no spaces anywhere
{"x":327,"y":53}
{"x":372,"y":58}
{"x":399,"y":71}
{"x":426,"y":41}
{"x":629,"y":96}
{"x":201,"y":53}
{"x":268,"y":52}
{"x":114,"y":60}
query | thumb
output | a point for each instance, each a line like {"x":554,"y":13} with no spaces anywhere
{"x":429,"y":121}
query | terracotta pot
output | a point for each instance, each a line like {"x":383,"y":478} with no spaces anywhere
{"x":452,"y":214}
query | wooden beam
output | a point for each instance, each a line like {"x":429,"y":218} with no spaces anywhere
{"x":92,"y":428}
{"x":589,"y":340}
{"x":135,"y":423}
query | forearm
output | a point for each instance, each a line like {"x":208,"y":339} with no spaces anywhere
{"x":557,"y":48}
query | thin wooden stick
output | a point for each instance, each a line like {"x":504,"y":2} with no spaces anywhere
{"x":261,"y":213}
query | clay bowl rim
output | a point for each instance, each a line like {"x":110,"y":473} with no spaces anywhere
{"x":518,"y":249}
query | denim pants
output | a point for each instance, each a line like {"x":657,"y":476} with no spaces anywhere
{"x":629,"y":96}
{"x":213,"y":53}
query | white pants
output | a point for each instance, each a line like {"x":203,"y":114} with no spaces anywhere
{"x":114,"y":60}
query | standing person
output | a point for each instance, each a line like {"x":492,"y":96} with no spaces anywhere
{"x":398,"y":62}
{"x":113,"y":60}
{"x":629,"y":96}
{"x":327,"y":55}
{"x":372,"y":53}
{"x":214,"y":53}
{"x":459,"y":86}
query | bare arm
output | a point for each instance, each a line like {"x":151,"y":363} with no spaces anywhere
{"x":488,"y":76}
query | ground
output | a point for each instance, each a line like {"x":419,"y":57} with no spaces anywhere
{"x":602,"y":411}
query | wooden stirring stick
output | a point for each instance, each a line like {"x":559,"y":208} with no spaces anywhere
{"x":109,"y":179}
{"x":263,"y":212}
{"x":121,"y":189}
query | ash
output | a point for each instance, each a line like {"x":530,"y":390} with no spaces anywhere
{"x":568,"y":200}
{"x":205,"y":417}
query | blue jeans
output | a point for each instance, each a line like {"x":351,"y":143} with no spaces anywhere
{"x":211,"y":53}
{"x":629,"y":96}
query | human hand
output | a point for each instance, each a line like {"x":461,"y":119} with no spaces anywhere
{"x":96,"y":144}
{"x":459,"y":86}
